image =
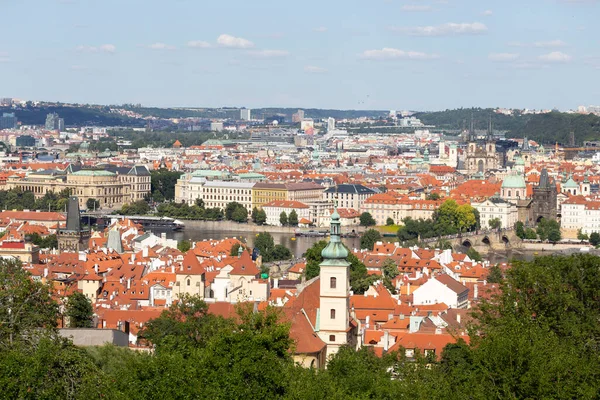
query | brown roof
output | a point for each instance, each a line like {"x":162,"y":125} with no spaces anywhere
{"x":452,"y":284}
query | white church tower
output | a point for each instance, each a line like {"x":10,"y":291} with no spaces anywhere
{"x":334,"y":311}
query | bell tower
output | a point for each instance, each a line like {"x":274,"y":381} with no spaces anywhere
{"x":334,"y":314}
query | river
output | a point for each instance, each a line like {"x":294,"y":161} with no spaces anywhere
{"x":299,"y":245}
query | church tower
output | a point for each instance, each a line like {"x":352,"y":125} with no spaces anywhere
{"x":73,"y":238}
{"x":334,"y":293}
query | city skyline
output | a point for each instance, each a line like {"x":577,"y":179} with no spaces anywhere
{"x":385,"y":54}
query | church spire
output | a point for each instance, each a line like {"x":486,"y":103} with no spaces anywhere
{"x":335,"y":250}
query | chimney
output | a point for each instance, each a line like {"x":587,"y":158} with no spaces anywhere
{"x":45,"y":272}
{"x":145,"y":252}
{"x":276,"y":283}
{"x":408,"y":288}
{"x":458,"y":318}
{"x":475,"y":291}
{"x":163,"y":238}
{"x":386,"y":340}
{"x":96,"y":268}
{"x":128,"y":283}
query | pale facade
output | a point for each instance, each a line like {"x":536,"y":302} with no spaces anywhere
{"x":215,"y":194}
{"x":492,"y":208}
{"x":580,"y":214}
{"x":274,"y":209}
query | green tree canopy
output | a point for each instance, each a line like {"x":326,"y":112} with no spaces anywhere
{"x":293,"y":218}
{"x":369,"y":238}
{"x":79,"y":310}
{"x":283,"y":218}
{"x":366,"y":219}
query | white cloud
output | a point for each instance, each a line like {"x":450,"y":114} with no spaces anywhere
{"x":416,"y":8}
{"x":108,"y":48}
{"x":104,"y":48}
{"x":198,"y":44}
{"x":395,"y":54}
{"x":541,"y":44}
{"x":487,"y":13}
{"x":320,"y":29}
{"x":161,"y":46}
{"x":269,"y":53}
{"x":312,"y":69}
{"x":234,"y":42}
{"x":503,"y":57}
{"x":555,"y":56}
{"x":448,"y":29}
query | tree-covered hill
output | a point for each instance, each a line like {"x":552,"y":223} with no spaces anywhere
{"x":73,"y":116}
{"x":544,"y":128}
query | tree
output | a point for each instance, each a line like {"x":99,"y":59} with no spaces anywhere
{"x":530,"y":234}
{"x":495,"y":275}
{"x":554,"y":235}
{"x":520,"y":230}
{"x":314,"y":258}
{"x":389,"y":272}
{"x":185,"y":325}
{"x":283,"y":219}
{"x":184,"y":245}
{"x":595,"y":238}
{"x":433,"y":196}
{"x":79,"y":310}
{"x":240,"y":215}
{"x":199,"y":202}
{"x":157,"y":196}
{"x":280,"y":252}
{"x":293,"y":218}
{"x":495,"y":223}
{"x":92,"y":204}
{"x":581,"y":236}
{"x":254,"y":214}
{"x":139,"y":207}
{"x":230,"y":209}
{"x":235,"y":249}
{"x":369,"y":238}
{"x":261,"y":217}
{"x":265,"y":245}
{"x":474,"y":254}
{"x":389,"y":222}
{"x":26,"y":306}
{"x":164,"y":181}
{"x":366,"y":219}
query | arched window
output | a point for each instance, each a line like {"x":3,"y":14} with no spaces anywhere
{"x":188,"y":282}
{"x":332,"y":313}
{"x":509,"y":193}
{"x":332,"y":282}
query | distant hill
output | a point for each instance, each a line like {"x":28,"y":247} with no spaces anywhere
{"x":74,"y":116}
{"x":544,"y":128}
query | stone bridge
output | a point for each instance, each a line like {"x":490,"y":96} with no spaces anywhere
{"x":482,"y":241}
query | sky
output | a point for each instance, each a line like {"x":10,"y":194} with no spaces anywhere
{"x":350,"y":54}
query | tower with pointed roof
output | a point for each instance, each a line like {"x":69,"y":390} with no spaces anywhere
{"x":481,"y":156}
{"x":73,"y":237}
{"x":544,"y":198}
{"x":334,"y":316}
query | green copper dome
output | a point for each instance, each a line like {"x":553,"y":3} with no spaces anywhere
{"x":514,"y":182}
{"x":335,"y":249}
{"x":571,"y":183}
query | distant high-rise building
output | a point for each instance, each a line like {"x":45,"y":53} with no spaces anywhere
{"x":298,"y":116}
{"x":245,"y":114}
{"x":54,"y":122}
{"x":8,"y":121}
{"x":330,"y":124}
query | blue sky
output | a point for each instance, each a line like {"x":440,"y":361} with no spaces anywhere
{"x":351,"y":54}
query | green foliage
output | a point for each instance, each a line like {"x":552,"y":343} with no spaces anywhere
{"x":530,"y":234}
{"x":581,"y":235}
{"x":184,"y":246}
{"x":366,"y":219}
{"x":268,"y":250}
{"x":163,"y":181}
{"x":474,"y":254}
{"x":230,"y":209}
{"x":520,"y":230}
{"x":139,"y":207}
{"x":389,"y":272}
{"x":92,"y":204}
{"x":47,"y":242}
{"x":595,"y":238}
{"x":389,"y":222}
{"x":369,"y":238}
{"x":293,"y":218}
{"x":261,"y":217}
{"x":448,"y":219}
{"x":16,"y":199}
{"x":25,"y":305}
{"x":495,"y":223}
{"x":548,"y":228}
{"x":283,"y":219}
{"x":314,"y":258}
{"x":79,"y":310}
{"x":495,"y":275}
{"x":280,"y":252}
{"x":185,"y":211}
{"x":240,"y":215}
{"x":235,"y":249}
{"x":157,"y":196}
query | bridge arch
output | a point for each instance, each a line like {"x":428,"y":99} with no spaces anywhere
{"x":467,"y":243}
{"x":505,"y":240}
{"x":486,"y":240}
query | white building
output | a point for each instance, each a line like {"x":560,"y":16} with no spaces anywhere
{"x":442,"y":289}
{"x":245,"y":114}
{"x":330,"y":124}
{"x":492,"y":208}
{"x":214,"y":193}
{"x":348,"y":195}
{"x":577,"y":213}
{"x":273,"y":210}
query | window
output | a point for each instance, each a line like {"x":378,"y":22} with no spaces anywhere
{"x":188,"y":282}
{"x":332,"y":313}
{"x":332,"y":338}
{"x":332,"y":282}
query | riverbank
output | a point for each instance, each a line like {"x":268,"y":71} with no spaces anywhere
{"x":232,"y":226}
